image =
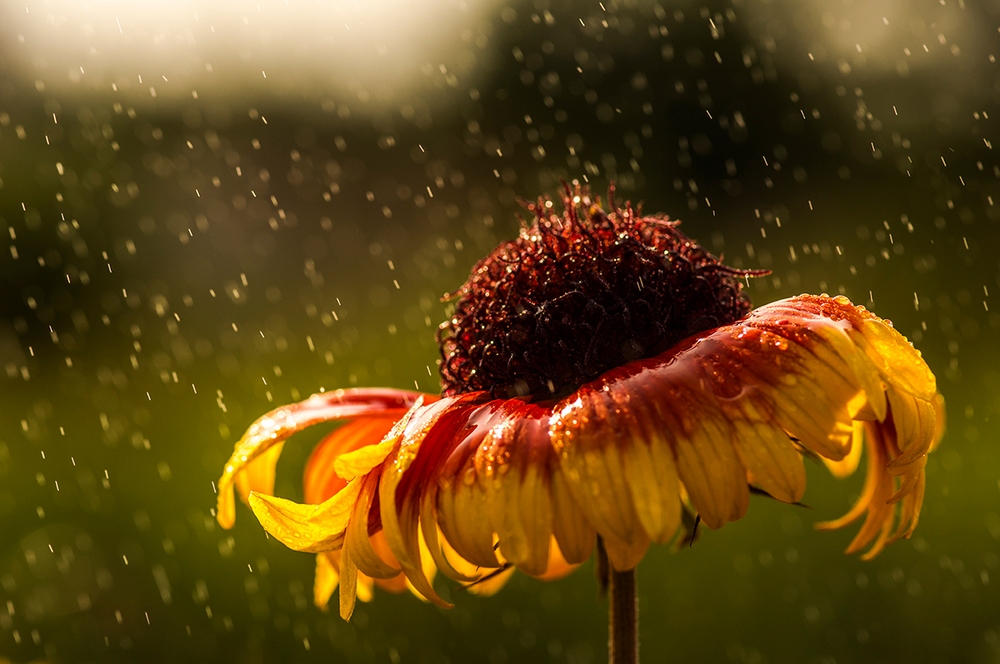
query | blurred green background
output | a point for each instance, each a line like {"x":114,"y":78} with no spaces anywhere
{"x":210,"y":211}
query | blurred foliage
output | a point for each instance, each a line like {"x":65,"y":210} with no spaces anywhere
{"x":175,"y":265}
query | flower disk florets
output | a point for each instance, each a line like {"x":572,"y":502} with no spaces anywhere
{"x":579,"y":293}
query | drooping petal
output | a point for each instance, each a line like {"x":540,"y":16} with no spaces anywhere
{"x":326,"y":578}
{"x":311,"y":528}
{"x":276,"y":426}
{"x":849,"y":463}
{"x":592,"y":431}
{"x":513,"y":466}
{"x":772,"y":464}
{"x":357,"y":539}
{"x":403,"y":480}
{"x":258,"y":475}
{"x":731,"y":407}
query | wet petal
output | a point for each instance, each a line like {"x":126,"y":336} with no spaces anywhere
{"x":592,"y":432}
{"x":514,"y":464}
{"x":774,"y":465}
{"x":733,"y":404}
{"x":849,"y":463}
{"x":404,"y":478}
{"x":312,"y":528}
{"x":258,"y":475}
{"x":276,"y":426}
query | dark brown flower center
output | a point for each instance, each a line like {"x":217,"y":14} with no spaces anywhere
{"x":579,"y":293}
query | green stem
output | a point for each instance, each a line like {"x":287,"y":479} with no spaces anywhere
{"x":623,"y":610}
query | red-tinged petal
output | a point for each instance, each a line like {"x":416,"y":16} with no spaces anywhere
{"x":403,"y":480}
{"x":727,"y":402}
{"x":592,"y":430}
{"x":279,"y":424}
{"x":320,"y":479}
{"x":514,"y":464}
{"x":357,"y":539}
{"x":651,"y":472}
{"x":449,"y":494}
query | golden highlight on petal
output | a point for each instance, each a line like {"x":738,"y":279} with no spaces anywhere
{"x":474,"y":486}
{"x":311,"y":528}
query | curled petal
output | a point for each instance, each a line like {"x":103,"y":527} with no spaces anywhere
{"x":402,"y":482}
{"x":276,"y":426}
{"x":357,"y":539}
{"x":311,"y":528}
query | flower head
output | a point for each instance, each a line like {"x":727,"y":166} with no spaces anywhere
{"x":603,"y":376}
{"x":579,"y":293}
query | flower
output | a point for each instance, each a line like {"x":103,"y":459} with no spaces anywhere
{"x":603,"y":376}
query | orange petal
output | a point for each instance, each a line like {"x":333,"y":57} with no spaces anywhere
{"x":320,"y":479}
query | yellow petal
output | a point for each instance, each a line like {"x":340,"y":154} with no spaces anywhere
{"x":589,"y":431}
{"x":772,"y":462}
{"x":319,"y":478}
{"x":348,"y":585}
{"x":311,"y":528}
{"x":258,"y":475}
{"x":573,"y":533}
{"x":360,"y":461}
{"x":849,"y":463}
{"x":651,"y":475}
{"x":712,"y":473}
{"x":325,"y":581}
{"x":899,"y":362}
{"x":514,"y":464}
